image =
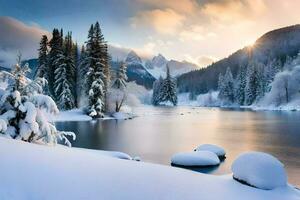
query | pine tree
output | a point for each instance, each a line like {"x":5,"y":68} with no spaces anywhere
{"x":43,"y":58}
{"x":168,"y":90}
{"x":64,"y":76}
{"x":252,"y":84}
{"x":55,"y":53}
{"x":95,"y":79}
{"x":157,"y":85}
{"x":121,"y":78}
{"x":117,"y":93}
{"x":240,"y":85}
{"x":226,"y":87}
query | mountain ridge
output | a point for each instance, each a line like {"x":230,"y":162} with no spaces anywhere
{"x":275,"y":44}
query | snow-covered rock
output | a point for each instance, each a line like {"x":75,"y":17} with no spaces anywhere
{"x":30,"y":171}
{"x":196,"y":158}
{"x":260,"y":170}
{"x":219,"y":151}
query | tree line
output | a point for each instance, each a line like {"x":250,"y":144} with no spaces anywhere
{"x":77,"y":78}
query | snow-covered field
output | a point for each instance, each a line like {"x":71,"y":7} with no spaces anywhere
{"x":35,"y":172}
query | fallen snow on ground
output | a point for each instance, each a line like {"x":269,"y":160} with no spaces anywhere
{"x":195,"y":158}
{"x":213,"y":148}
{"x":30,"y":171}
{"x":260,"y":170}
{"x":71,"y":115}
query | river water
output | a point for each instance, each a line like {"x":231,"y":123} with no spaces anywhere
{"x":159,"y":132}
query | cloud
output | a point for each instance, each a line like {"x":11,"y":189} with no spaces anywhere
{"x":16,"y":36}
{"x":165,"y":21}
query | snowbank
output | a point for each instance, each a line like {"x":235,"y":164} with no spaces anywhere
{"x":195,"y":159}
{"x":219,"y":151}
{"x":30,"y":171}
{"x":260,"y":170}
{"x":71,"y":115}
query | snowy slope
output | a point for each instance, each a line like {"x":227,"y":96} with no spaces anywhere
{"x":35,"y":172}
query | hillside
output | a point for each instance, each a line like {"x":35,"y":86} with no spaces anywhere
{"x":277,"y":44}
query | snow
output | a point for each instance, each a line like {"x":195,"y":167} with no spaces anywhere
{"x":123,"y":115}
{"x":260,"y":170}
{"x":196,"y":158}
{"x":219,"y":151}
{"x":71,"y":115}
{"x":31,"y":171}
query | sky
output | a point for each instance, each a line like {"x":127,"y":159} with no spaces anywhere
{"x":198,"y":31}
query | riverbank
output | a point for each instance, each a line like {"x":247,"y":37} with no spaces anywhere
{"x":47,"y":172}
{"x":79,"y":115}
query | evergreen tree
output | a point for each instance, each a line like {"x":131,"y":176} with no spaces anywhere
{"x":95,"y":62}
{"x":55,"y":53}
{"x":121,"y":78}
{"x":168,"y":89}
{"x":117,"y":94}
{"x":240,"y":85}
{"x":252,"y":84}
{"x":64,"y":85}
{"x":157,"y":85}
{"x":43,"y":58}
{"x":226,"y":92}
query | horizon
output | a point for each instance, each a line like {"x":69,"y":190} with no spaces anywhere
{"x":204,"y":31}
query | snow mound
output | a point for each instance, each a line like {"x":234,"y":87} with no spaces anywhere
{"x":196,"y":158}
{"x":260,"y":170}
{"x":219,"y":151}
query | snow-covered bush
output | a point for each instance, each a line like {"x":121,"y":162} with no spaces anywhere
{"x":284,"y":88}
{"x":259,"y":170}
{"x":195,"y":159}
{"x":23,"y":110}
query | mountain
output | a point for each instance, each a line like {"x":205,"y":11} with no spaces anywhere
{"x":157,"y":66}
{"x":278,"y":44}
{"x":133,"y":58}
{"x":33,"y":64}
{"x":135,"y":70}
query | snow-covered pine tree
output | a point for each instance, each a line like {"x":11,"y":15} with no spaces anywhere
{"x":271,"y":69}
{"x":121,"y":78}
{"x":117,"y":93}
{"x":252,"y":84}
{"x":76,"y":84}
{"x":43,"y":58}
{"x":95,"y":79}
{"x":55,"y":52}
{"x":64,"y":76}
{"x":168,"y":90}
{"x":23,"y":107}
{"x":240,"y":85}
{"x":226,"y":92}
{"x":102,"y":59}
{"x":156,"y":91}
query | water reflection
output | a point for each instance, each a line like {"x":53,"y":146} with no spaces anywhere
{"x":160,"y":132}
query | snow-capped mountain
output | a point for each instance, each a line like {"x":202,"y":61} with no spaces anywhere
{"x":137,"y":72}
{"x":158,"y":61}
{"x":133,"y":58}
{"x":157,"y":66}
